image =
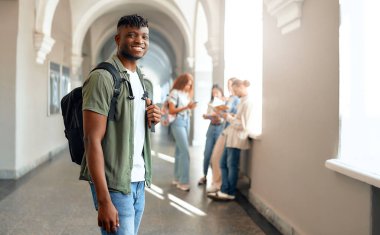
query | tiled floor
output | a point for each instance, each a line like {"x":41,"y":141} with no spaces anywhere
{"x":51,"y":200}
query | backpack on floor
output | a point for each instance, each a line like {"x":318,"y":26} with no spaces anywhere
{"x":71,"y":106}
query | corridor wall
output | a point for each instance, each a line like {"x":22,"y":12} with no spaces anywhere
{"x":36,"y":135}
{"x":9,"y":27}
{"x":290,"y":183}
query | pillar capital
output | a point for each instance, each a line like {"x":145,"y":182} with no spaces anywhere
{"x":287,"y":12}
{"x":213,"y":49}
{"x":43,"y":44}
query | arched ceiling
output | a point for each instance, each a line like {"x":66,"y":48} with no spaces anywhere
{"x":167,"y":46}
{"x":86,"y":12}
{"x":160,"y":60}
{"x":164,"y":17}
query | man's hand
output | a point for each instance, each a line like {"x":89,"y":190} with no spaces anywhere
{"x":108,"y":217}
{"x":153,"y":113}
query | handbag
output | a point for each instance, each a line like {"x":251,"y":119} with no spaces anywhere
{"x":166,"y":117}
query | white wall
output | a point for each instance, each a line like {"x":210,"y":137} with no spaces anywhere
{"x":87,"y":65}
{"x":8,"y":26}
{"x":38,"y":136}
{"x":300,"y":129}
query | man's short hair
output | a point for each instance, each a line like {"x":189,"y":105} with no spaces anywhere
{"x":132,"y":21}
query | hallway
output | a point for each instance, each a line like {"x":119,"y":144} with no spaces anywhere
{"x":51,"y":200}
{"x":313,"y":69}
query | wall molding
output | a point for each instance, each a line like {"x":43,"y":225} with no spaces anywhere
{"x":287,"y":12}
{"x":282,"y":226}
{"x":18,"y":173}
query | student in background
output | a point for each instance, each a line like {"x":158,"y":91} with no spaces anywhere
{"x":236,"y":140}
{"x":214,"y":129}
{"x":181,"y":104}
{"x":217,"y":152}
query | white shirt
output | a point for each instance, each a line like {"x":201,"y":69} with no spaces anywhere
{"x":138,"y":169}
{"x":180,"y":99}
{"x":241,"y":125}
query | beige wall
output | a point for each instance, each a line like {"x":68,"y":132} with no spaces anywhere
{"x":9,"y":11}
{"x":38,"y":135}
{"x":300,"y":129}
{"x":87,"y":55}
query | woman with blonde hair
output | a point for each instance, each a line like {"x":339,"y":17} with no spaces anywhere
{"x":236,"y":140}
{"x":180,"y":103}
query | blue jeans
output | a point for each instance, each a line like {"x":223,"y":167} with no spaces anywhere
{"x":180,"y":131}
{"x":229,"y":166}
{"x":130,"y":208}
{"x":212,"y":135}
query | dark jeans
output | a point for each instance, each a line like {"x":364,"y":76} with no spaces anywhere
{"x":229,"y":166}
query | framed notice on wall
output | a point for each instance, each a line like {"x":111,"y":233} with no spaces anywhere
{"x":54,"y":88}
{"x":64,"y":82}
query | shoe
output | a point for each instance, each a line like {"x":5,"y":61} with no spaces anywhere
{"x":202,"y":181}
{"x":183,"y":187}
{"x":219,"y":195}
{"x":175,"y":182}
{"x":212,"y":189}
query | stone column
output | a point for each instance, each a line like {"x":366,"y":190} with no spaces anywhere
{"x":76,"y":67}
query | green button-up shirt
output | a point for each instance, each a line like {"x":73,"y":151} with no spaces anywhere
{"x":117,"y":143}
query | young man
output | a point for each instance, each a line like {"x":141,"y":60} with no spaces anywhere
{"x":118,"y":156}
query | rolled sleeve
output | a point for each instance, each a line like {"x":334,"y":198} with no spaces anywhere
{"x":97,"y":93}
{"x":173,"y":97}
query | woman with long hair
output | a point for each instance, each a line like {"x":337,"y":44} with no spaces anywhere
{"x":236,"y":140}
{"x":180,"y":103}
{"x":217,"y":152}
{"x":214,"y":129}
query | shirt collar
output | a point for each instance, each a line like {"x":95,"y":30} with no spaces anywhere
{"x":119,"y":65}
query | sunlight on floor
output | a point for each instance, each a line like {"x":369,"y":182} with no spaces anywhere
{"x":178,"y":207}
{"x":176,"y":202}
{"x":154,"y":193}
{"x":157,"y":189}
{"x":165,"y":157}
{"x":186,"y":205}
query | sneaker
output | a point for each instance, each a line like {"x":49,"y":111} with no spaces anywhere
{"x":183,"y":187}
{"x":212,"y":189}
{"x":225,"y":196}
{"x":175,"y":182}
{"x":202,"y":181}
{"x":219,"y":195}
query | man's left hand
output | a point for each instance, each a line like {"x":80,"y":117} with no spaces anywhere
{"x":154,"y":114}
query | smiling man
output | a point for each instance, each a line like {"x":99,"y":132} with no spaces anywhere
{"x":117,"y":160}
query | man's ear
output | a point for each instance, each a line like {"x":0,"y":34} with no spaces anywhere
{"x":117,"y":39}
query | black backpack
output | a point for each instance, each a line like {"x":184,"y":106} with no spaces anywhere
{"x":71,"y":106}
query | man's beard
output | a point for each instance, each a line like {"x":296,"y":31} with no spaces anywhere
{"x":124,"y":53}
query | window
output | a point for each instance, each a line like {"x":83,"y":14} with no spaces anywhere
{"x":359,"y":151}
{"x":243,"y":49}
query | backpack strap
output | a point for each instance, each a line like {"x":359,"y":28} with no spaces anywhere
{"x":117,"y":85}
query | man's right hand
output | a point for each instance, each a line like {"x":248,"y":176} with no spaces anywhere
{"x":108,"y":217}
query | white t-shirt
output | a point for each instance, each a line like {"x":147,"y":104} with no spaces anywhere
{"x":138,"y":170}
{"x":180,"y":99}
